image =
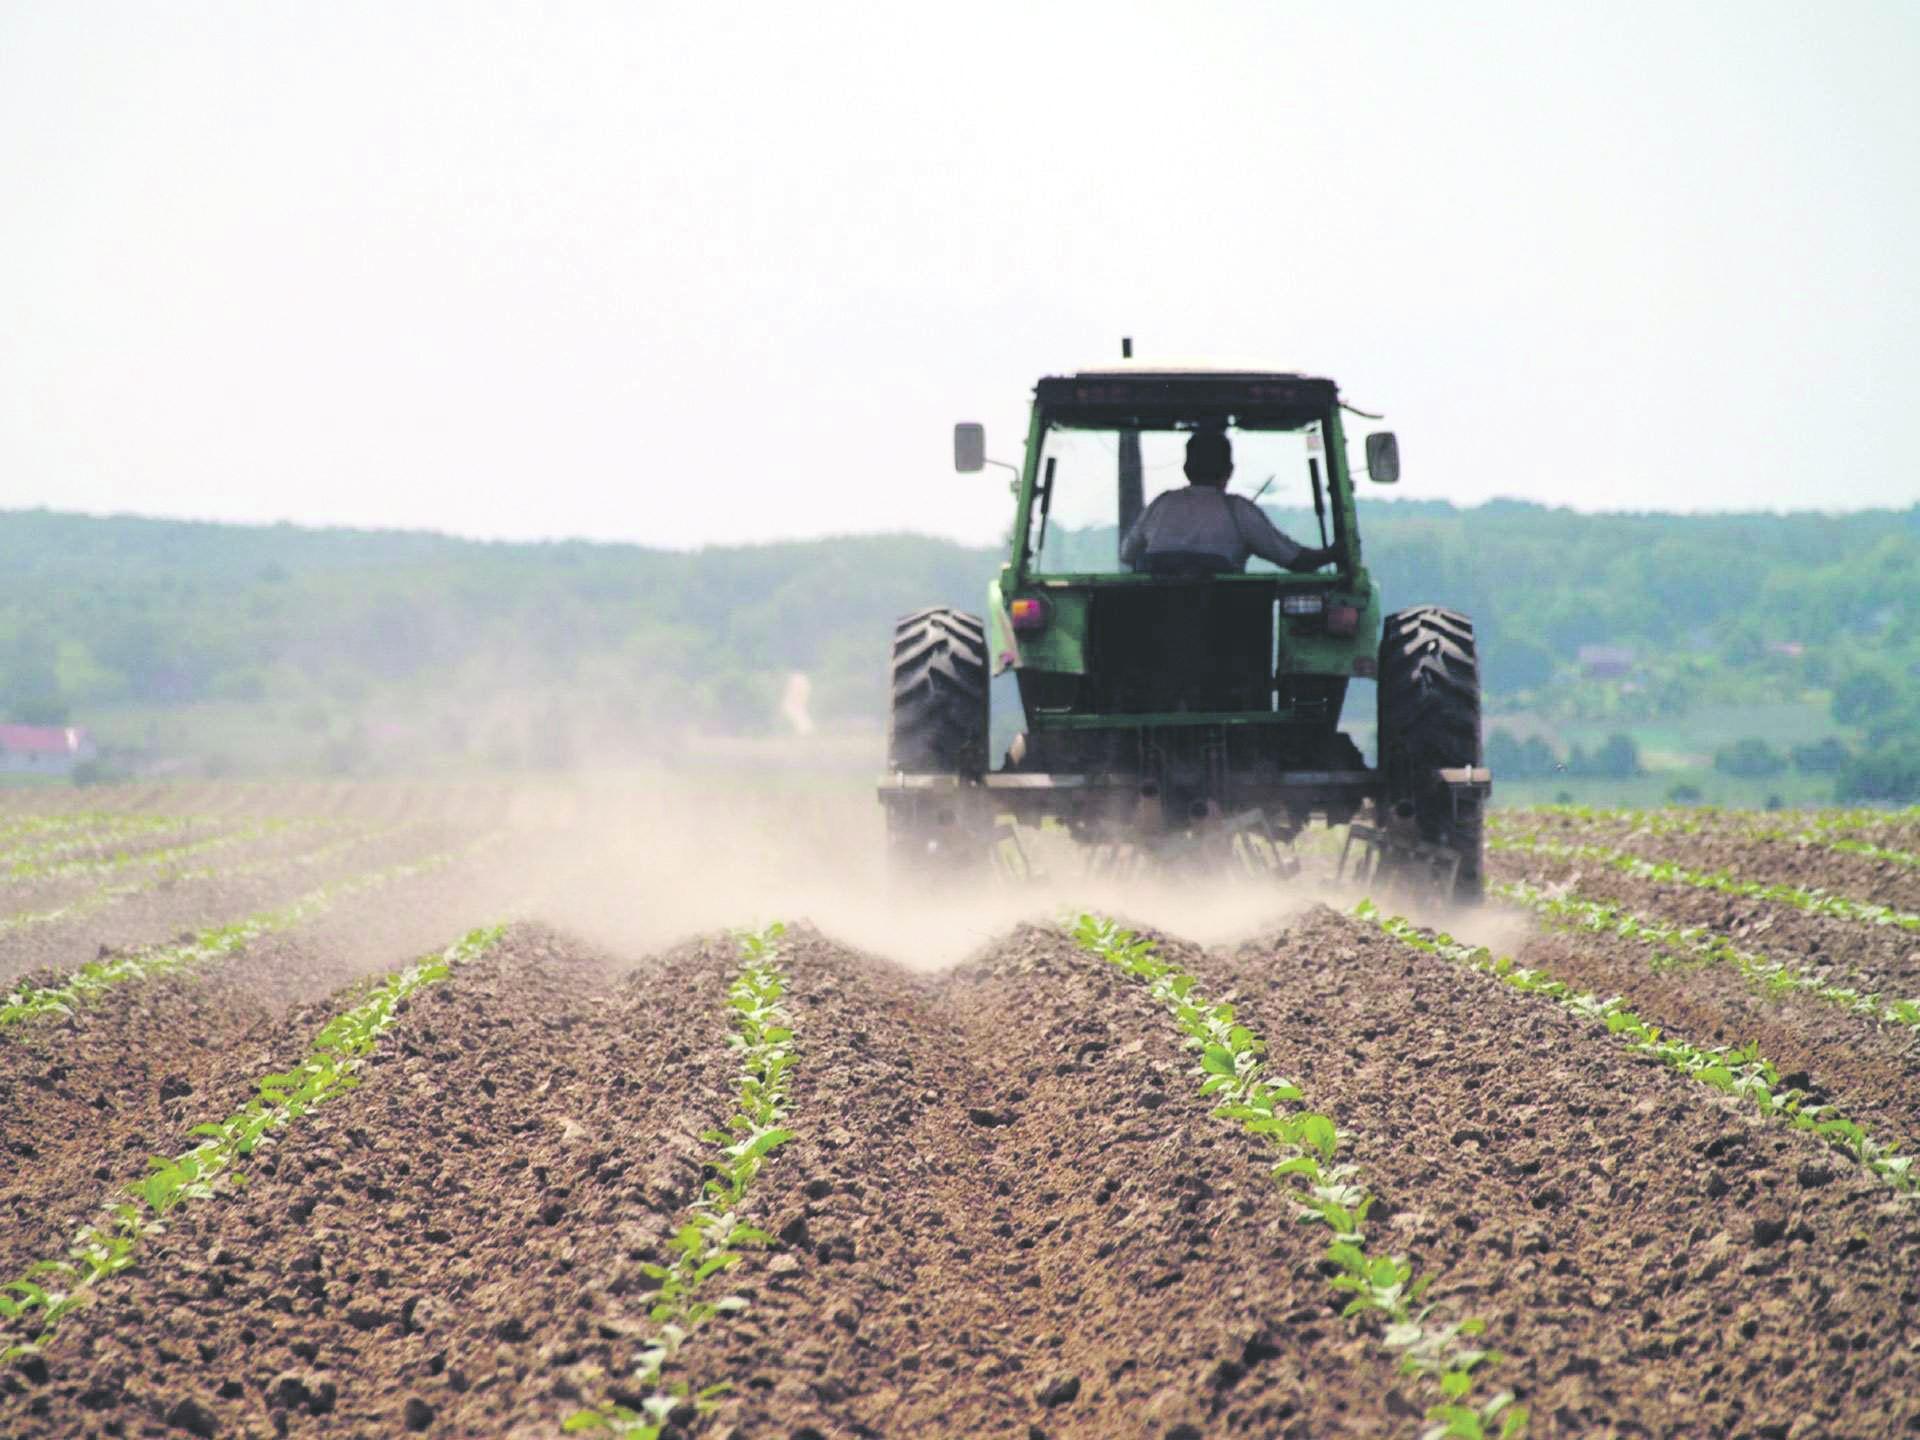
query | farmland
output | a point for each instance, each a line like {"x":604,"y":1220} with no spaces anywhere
{"x":477,"y":1109}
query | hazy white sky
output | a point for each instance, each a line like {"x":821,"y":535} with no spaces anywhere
{"x":686,"y":273}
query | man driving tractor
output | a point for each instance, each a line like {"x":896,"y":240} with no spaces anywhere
{"x":1202,"y":529}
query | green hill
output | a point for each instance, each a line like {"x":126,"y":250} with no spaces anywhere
{"x":267,"y":647}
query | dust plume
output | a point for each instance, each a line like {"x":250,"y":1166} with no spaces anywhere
{"x":635,"y":861}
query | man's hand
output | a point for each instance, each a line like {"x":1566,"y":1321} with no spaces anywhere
{"x":1311,"y":560}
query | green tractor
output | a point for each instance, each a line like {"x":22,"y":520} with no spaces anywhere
{"x":1178,"y":710}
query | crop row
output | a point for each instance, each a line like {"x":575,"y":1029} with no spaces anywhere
{"x":713,"y":1237}
{"x":1305,"y":1142}
{"x":1734,"y":1070}
{"x":1835,"y":830}
{"x":48,"y":846}
{"x":1668,"y":872}
{"x":33,"y":1304}
{"x":97,"y":900}
{"x":25,"y":870}
{"x":1704,"y":946}
{"x":30,"y":1002}
{"x":66,"y":822}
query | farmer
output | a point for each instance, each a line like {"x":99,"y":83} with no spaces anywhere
{"x":1204,"y":530}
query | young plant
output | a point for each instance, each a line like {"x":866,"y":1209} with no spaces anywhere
{"x":1666,"y":872}
{"x":107,"y":1246}
{"x":1305,"y":1143}
{"x":712,"y":1237}
{"x":1735,"y":1070}
{"x":1774,"y":978}
{"x":33,"y":1002}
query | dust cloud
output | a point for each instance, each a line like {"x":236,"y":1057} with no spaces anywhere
{"x":635,"y":862}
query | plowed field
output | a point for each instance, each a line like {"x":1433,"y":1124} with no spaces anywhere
{"x":1648,"y":1148}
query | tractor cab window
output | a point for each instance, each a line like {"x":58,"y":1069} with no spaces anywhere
{"x":1079,"y":517}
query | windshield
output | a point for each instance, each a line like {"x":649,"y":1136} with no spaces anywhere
{"x":1074,"y":524}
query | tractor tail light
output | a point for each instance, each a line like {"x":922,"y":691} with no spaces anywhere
{"x":1343,"y":620}
{"x":1028,"y":615}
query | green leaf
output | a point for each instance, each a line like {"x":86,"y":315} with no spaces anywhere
{"x":1317,"y":1130}
{"x":763,"y":1144}
{"x":1348,"y":1256}
{"x":1217,"y":1060}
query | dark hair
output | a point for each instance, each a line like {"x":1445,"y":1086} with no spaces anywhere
{"x":1209,"y":457}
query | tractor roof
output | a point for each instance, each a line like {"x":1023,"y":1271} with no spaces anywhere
{"x":1188,"y":370}
{"x":1163,"y":395}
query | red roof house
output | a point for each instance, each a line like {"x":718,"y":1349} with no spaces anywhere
{"x":44,"y":749}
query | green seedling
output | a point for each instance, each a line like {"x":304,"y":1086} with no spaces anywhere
{"x":1734,"y":1070}
{"x":108,"y":895}
{"x":1666,"y":872}
{"x":1305,"y":1144}
{"x":107,"y":1246}
{"x":169,"y":855}
{"x":90,"y":832}
{"x":31,"y":1002}
{"x":1835,"y":830}
{"x":712,"y":1238}
{"x":1672,"y":943}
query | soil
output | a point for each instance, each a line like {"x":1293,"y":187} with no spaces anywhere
{"x":1730,"y":846}
{"x":1869,"y":957}
{"x":1006,"y":1212}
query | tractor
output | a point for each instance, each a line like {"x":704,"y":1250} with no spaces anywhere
{"x":1184,"y":715}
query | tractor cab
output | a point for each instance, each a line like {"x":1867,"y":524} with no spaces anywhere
{"x":1164,"y":703}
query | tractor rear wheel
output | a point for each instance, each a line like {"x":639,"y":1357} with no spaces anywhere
{"x":938,"y":726}
{"x":1429,"y":699}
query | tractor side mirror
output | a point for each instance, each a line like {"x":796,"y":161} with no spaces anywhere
{"x":969,"y":447}
{"x":1383,"y":457}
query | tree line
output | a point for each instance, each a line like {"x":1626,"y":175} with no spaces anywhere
{"x":104,"y":613}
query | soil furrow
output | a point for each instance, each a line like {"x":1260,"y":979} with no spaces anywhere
{"x":1871,"y":1070}
{"x":1873,"y":957}
{"x":1653,"y":1259}
{"x":1018,"y":1218}
{"x":160,"y":915}
{"x":1749,"y":857}
{"x":84,"y":1099}
{"x":446,"y":1249}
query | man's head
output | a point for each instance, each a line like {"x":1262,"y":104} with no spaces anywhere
{"x":1209,"y":458}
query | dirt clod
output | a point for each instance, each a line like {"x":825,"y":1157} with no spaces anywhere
{"x":1060,"y":1390}
{"x":190,"y":1415}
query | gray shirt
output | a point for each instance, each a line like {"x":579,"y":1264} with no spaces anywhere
{"x":1205,"y":521}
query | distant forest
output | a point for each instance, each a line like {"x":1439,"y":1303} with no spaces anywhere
{"x":358,"y":644}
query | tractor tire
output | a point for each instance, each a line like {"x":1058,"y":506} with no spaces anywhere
{"x":938,"y":723}
{"x":1429,"y":712}
{"x":938,"y":726}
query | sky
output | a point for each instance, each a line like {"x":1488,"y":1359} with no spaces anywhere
{"x":687,"y":275}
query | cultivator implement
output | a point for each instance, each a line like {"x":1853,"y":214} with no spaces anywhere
{"x":938,"y":823}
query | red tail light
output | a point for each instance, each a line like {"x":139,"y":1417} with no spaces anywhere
{"x":1028,"y":615}
{"x":1343,"y":620}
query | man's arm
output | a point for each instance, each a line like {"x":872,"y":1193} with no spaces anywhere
{"x":1269,"y":542}
{"x":1135,"y":545}
{"x":1308,"y":560}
